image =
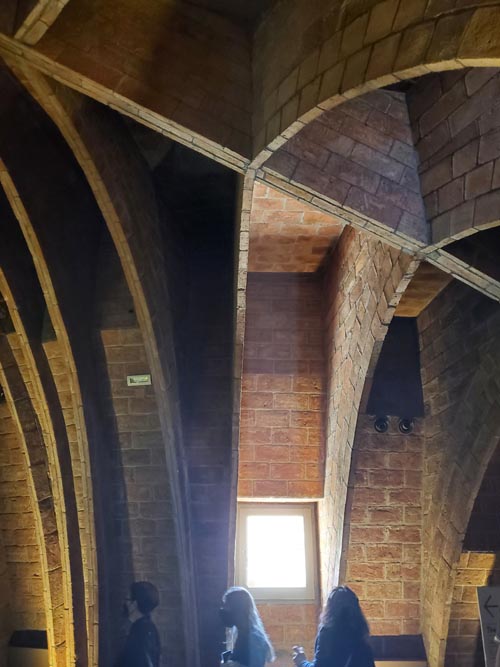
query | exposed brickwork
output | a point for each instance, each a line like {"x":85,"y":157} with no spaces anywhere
{"x":483,"y":532}
{"x":201,"y":97}
{"x":287,"y":235}
{"x":476,"y":567}
{"x":321,"y":54}
{"x":47,"y":502}
{"x":361,"y":300}
{"x":5,"y":614}
{"x":360,"y":155}
{"x":141,"y":515}
{"x":382,"y":552}
{"x":282,"y":427}
{"x":464,"y":646}
{"x":97,"y":143}
{"x":456,"y":133}
{"x":20,"y":546}
{"x":460,"y":362}
{"x":289,"y":625}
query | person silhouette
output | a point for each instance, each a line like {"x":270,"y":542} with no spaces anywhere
{"x":251,"y":647}
{"x":342,"y":636}
{"x":142,"y":646}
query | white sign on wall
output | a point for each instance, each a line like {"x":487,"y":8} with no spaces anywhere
{"x":488,"y":599}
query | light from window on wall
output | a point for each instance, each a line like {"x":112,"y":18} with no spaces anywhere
{"x":276,"y":551}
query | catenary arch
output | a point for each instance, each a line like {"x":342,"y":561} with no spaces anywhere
{"x":92,"y":137}
{"x":362,"y":47}
{"x":79,"y":454}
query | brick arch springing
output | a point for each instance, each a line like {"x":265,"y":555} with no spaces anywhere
{"x":360,"y":305}
{"x":128,"y":207}
{"x":87,"y":532}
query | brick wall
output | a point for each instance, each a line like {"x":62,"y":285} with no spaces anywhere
{"x":289,"y":625}
{"x":141,"y":514}
{"x":460,"y":368}
{"x":456,"y":131}
{"x":479,"y":565}
{"x":382,"y":552}
{"x":464,"y":646}
{"x":18,"y":536}
{"x":287,"y":235}
{"x":364,"y":282}
{"x":5,"y":616}
{"x":483,"y":531}
{"x":282,"y":405}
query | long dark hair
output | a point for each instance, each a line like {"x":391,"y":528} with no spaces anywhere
{"x":244,"y":605}
{"x":343,"y":613}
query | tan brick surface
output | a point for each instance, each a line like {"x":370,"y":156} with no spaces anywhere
{"x":283,"y":390}
{"x":360,"y":306}
{"x":459,"y":395}
{"x":381,"y":518}
{"x":456,"y":139}
{"x":142,"y":512}
{"x":360,"y":156}
{"x":287,"y":235}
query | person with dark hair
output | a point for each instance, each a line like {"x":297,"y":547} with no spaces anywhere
{"x":251,"y":645}
{"x":142,"y":646}
{"x":342,"y":637}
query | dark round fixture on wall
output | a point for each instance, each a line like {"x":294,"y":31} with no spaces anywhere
{"x":405,"y":425}
{"x":381,"y":424}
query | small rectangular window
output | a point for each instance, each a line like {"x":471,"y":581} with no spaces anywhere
{"x":276,"y":551}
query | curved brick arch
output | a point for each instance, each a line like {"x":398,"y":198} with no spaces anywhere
{"x":88,"y":541}
{"x":26,"y":306}
{"x":94,"y":140}
{"x":204,"y":103}
{"x":462,"y":430}
{"x":53,"y":547}
{"x":460,"y":482}
{"x":359,"y":161}
{"x":360,"y":306}
{"x":364,"y":46}
{"x":454,"y":122}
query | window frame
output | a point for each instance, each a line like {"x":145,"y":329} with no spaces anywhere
{"x":308,"y":510}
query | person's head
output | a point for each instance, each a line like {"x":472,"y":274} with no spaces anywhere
{"x":343,"y":612}
{"x":239,"y":610}
{"x":142,"y":599}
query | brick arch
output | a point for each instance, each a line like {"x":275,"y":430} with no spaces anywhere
{"x":358,"y":161}
{"x":460,"y":483}
{"x":360,"y":301}
{"x":202,"y":102}
{"x":45,"y":498}
{"x":462,"y":430}
{"x":453,"y":117}
{"x":363,"y":46}
{"x":81,"y":459}
{"x":128,"y":207}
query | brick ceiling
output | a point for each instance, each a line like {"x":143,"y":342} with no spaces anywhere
{"x":287,"y":235}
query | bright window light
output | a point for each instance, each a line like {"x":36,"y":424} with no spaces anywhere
{"x":276,"y":550}
{"x":276,"y":556}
